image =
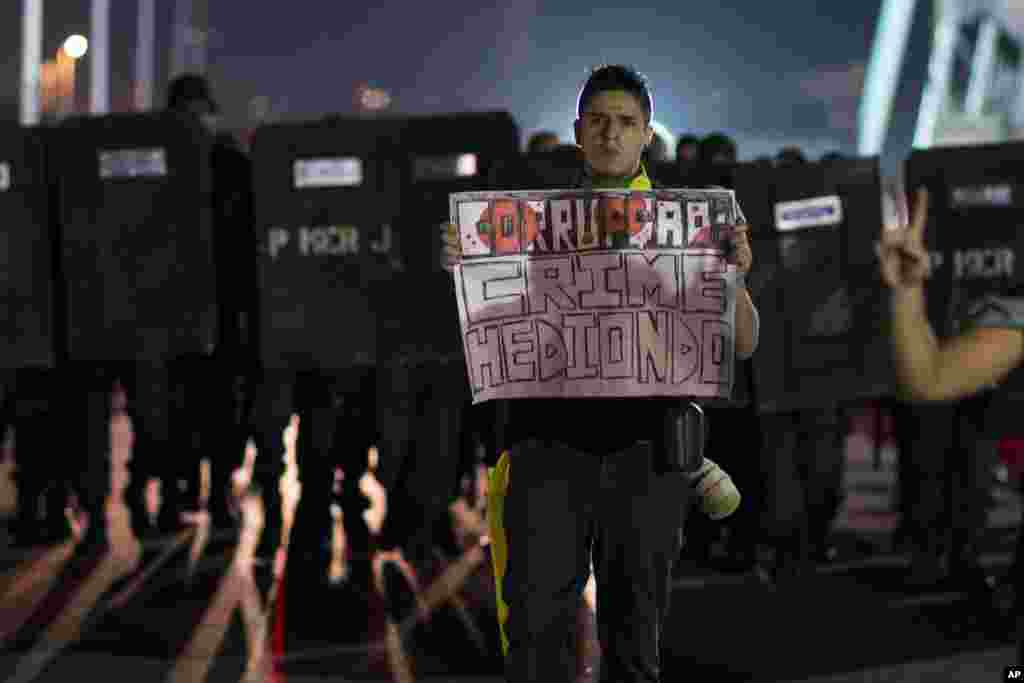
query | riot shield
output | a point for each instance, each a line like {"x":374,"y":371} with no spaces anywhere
{"x":558,"y":168}
{"x":327,"y":198}
{"x":136,"y":245}
{"x":441,"y":155}
{"x":428,"y":397}
{"x":974,"y":222}
{"x":815,"y":283}
{"x":974,"y":236}
{"x":26,"y":263}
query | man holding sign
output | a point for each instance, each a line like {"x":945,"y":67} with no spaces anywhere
{"x":591,"y":483}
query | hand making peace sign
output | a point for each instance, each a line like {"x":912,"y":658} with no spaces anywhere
{"x":902,"y":256}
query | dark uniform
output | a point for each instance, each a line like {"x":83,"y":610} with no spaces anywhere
{"x":1005,"y":312}
{"x":228,"y":375}
{"x":196,"y":405}
{"x":802,"y":462}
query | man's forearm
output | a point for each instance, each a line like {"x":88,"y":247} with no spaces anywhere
{"x":746,"y":325}
{"x":914,"y":346}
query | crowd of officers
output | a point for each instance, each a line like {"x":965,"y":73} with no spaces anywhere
{"x":788,"y":466}
{"x":206,"y":406}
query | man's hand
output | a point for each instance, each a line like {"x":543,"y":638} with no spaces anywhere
{"x":740,"y":253}
{"x":451,"y":250}
{"x":747,"y":320}
{"x":902,"y":257}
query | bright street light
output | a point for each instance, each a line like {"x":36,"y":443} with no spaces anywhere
{"x":76,"y":46}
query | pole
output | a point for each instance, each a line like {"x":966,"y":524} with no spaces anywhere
{"x":200,"y":34}
{"x":981,"y":68}
{"x":99,"y":102}
{"x":145,"y":55}
{"x":31,"y":56}
{"x":181,"y":35}
{"x":940,"y":69}
{"x":883,"y":74}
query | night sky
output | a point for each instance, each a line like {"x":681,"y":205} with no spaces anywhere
{"x":769,"y":74}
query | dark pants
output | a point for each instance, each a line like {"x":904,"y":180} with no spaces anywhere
{"x":426,"y":449}
{"x":969,"y":479}
{"x":89,"y":416}
{"x":802,"y":462}
{"x":167,"y":410}
{"x":337,"y":426}
{"x":62,"y":422}
{"x":272,"y":404}
{"x":943,"y":476}
{"x":208,"y":421}
{"x":565,"y":509}
{"x":47,"y":469}
{"x":734,"y":440}
{"x":165,"y":441}
{"x":924,"y":437}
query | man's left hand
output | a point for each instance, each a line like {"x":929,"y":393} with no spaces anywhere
{"x":740,"y":253}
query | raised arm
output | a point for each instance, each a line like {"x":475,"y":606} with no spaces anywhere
{"x":926,"y":369}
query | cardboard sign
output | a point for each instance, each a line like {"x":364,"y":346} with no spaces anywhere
{"x":596,"y":294}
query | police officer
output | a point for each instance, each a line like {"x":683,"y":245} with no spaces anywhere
{"x":213,"y":388}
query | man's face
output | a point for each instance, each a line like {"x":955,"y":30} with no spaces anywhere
{"x":612,"y":132}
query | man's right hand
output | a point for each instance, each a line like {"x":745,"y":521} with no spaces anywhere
{"x":451,"y":250}
{"x":902,"y":257}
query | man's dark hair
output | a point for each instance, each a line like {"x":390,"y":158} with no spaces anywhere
{"x":189,"y":88}
{"x":616,"y":77}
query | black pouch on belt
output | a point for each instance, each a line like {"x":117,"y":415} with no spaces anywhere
{"x":682,"y":439}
